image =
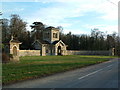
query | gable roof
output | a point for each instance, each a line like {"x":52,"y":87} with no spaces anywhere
{"x":46,"y":42}
{"x":55,"y":42}
{"x":40,"y":42}
{"x":60,"y":41}
{"x":15,"y":41}
{"x":51,"y":28}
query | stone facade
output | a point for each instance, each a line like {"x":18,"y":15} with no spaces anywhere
{"x":14,"y":49}
{"x":29,"y":52}
{"x":50,"y":45}
{"x":66,"y":52}
{"x":55,"y":48}
{"x":75,"y":52}
{"x":51,"y":35}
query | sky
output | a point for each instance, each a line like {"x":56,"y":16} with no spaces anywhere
{"x":76,"y":16}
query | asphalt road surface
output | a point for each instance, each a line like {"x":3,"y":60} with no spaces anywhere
{"x":103,"y":75}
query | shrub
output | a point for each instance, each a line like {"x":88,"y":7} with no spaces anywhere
{"x":5,"y":58}
{"x":11,"y":55}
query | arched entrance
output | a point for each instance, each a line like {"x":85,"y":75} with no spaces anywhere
{"x":14,"y":51}
{"x":59,"y":50}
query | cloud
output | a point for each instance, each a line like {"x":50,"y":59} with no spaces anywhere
{"x":109,"y":10}
{"x":13,"y":10}
{"x":104,"y":28}
{"x":110,"y":28}
{"x":76,"y":31}
{"x":61,"y":11}
{"x":76,"y":8}
{"x":57,"y":13}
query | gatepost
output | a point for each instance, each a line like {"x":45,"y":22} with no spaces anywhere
{"x":14,"y":49}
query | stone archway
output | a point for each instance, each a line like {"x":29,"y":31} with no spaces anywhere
{"x":14,"y":51}
{"x":59,"y":50}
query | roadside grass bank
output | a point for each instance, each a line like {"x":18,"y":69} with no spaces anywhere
{"x":30,"y":67}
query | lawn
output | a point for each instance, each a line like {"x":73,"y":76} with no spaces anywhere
{"x":38,"y":66}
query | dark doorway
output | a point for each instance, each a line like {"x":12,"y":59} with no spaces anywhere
{"x":59,"y":50}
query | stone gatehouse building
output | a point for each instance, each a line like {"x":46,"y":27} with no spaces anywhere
{"x":50,"y":43}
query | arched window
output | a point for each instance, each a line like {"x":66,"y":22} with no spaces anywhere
{"x":54,"y":35}
{"x":15,"y":51}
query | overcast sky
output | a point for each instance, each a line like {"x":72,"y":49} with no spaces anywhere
{"x":77,"y":16}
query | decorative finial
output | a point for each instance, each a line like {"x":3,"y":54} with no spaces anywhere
{"x":12,"y":37}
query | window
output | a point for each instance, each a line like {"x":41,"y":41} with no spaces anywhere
{"x":54,"y":35}
{"x":15,"y":51}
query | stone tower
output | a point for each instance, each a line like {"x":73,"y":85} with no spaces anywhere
{"x":51,"y":34}
{"x":14,"y":49}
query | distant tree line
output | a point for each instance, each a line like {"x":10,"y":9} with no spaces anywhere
{"x":97,"y":40}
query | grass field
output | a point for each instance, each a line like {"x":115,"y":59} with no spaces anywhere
{"x":38,"y":66}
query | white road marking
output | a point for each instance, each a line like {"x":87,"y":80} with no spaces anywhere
{"x":109,"y":65}
{"x":90,"y":74}
{"x":93,"y":72}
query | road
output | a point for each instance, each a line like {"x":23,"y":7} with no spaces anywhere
{"x":103,"y":75}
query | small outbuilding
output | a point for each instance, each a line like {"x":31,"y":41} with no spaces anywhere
{"x":50,"y":45}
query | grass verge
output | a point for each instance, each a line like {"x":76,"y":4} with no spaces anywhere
{"x":38,"y":66}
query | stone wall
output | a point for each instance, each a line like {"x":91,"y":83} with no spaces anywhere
{"x":29,"y":52}
{"x":67,"y":52}
{"x":75,"y":52}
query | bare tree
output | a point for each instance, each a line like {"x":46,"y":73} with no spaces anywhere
{"x":17,"y":25}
